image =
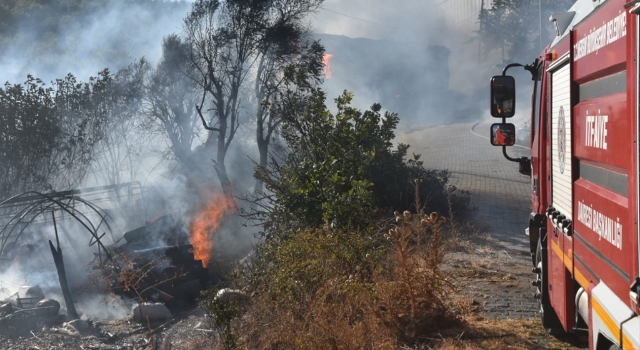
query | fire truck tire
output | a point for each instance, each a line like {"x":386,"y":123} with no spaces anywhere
{"x":550,"y":320}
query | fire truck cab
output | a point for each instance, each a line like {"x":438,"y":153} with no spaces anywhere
{"x":584,"y":166}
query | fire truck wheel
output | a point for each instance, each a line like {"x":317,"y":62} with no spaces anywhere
{"x":550,"y":320}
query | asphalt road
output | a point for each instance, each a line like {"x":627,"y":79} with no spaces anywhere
{"x":501,"y":198}
{"x":499,"y":193}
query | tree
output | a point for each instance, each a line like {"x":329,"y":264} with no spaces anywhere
{"x":118,"y":101}
{"x":27,"y":136}
{"x":223,"y":38}
{"x":282,"y":78}
{"x":79,"y":128}
{"x":287,"y":60}
{"x":171,"y":104}
{"x":513,"y":26}
{"x":48,"y":133}
{"x":226,"y":40}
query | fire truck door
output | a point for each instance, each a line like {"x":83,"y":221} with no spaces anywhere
{"x":561,"y":186}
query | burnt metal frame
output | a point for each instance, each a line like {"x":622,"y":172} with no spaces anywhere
{"x":36,"y":204}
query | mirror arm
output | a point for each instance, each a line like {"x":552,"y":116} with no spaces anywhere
{"x":510,"y":65}
{"x":531,"y":68}
{"x":522,"y":160}
{"x":504,"y":152}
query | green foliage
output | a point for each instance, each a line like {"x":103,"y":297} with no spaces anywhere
{"x":222,"y":314}
{"x":287,"y":271}
{"x":341,"y":170}
{"x":393,"y":179}
{"x":326,"y":176}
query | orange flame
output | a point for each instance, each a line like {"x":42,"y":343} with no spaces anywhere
{"x":206,"y":224}
{"x":326,"y":60}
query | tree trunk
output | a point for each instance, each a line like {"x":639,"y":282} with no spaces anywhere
{"x":263,"y":149}
{"x":220,"y":168}
{"x":225,"y":183}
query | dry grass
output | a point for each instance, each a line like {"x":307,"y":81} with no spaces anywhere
{"x":322,"y":289}
{"x":327,"y":290}
{"x":480,"y":333}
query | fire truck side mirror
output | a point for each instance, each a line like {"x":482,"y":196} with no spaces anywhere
{"x":503,"y":134}
{"x":503,"y":96}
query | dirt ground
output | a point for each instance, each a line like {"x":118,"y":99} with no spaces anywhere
{"x":186,"y":330}
{"x":496,"y":299}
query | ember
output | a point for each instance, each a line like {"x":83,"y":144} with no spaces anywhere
{"x":206,"y":223}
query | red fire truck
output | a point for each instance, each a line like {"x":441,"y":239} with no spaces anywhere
{"x":584,"y":167}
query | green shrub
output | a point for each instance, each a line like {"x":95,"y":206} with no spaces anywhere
{"x":288,"y":269}
{"x":221,"y":315}
{"x":342,"y":171}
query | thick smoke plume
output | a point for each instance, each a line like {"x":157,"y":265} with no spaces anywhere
{"x":58,"y":38}
{"x":427,"y":47}
{"x":425,"y":65}
{"x":404,"y":54}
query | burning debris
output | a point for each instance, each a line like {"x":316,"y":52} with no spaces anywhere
{"x":160,"y":265}
{"x":205,"y":224}
{"x":25,"y":310}
{"x":157,"y":263}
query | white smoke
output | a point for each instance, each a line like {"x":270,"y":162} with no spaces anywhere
{"x":112,"y":36}
{"x":421,"y":23}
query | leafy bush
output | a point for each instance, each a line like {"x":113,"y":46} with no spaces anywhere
{"x":286,"y":271}
{"x":393,"y":182}
{"x":342,"y":171}
{"x":221,"y":315}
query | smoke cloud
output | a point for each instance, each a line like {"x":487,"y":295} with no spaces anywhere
{"x":427,"y":49}
{"x":86,"y":39}
{"x":428,"y":58}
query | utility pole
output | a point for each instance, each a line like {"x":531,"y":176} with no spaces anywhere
{"x":540,"y":24}
{"x":480,"y":24}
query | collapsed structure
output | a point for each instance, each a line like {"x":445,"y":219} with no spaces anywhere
{"x":90,"y":229}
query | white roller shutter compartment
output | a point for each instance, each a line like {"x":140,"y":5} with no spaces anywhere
{"x":561,"y":189}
